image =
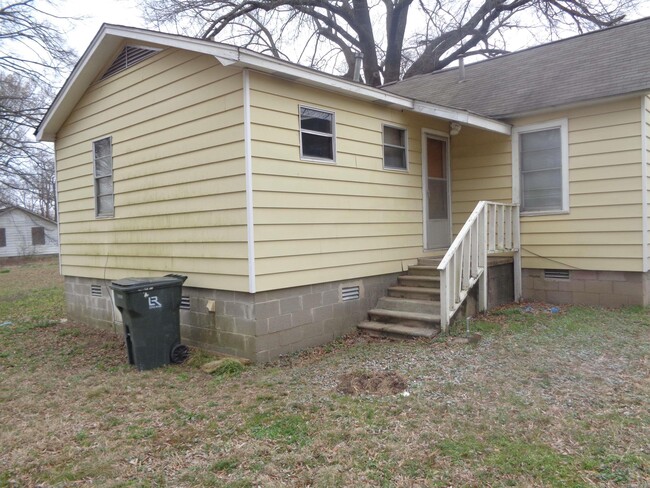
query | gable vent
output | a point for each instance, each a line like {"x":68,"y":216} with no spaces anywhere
{"x":129,"y":56}
{"x":556,"y":274}
{"x":95,"y":290}
{"x":350,"y":293}
{"x":185,"y":303}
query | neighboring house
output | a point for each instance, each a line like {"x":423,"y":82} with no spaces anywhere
{"x":23,"y":233}
{"x":294,"y":199}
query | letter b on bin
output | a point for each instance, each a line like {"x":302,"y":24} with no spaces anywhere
{"x":150,"y":313}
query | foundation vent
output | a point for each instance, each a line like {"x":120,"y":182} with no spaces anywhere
{"x":350,"y":293}
{"x":556,"y":274}
{"x":185,"y":303}
{"x":95,"y":290}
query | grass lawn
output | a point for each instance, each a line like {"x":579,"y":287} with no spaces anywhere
{"x":544,"y":399}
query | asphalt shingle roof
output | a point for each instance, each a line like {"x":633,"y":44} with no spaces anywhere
{"x":605,"y":63}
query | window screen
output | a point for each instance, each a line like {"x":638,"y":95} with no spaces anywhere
{"x":394,"y":148}
{"x":3,"y":237}
{"x":316,"y":134}
{"x":540,"y":159}
{"x":38,"y":236}
{"x":103,"y":159}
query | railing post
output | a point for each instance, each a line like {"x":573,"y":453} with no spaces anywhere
{"x":516,"y":261}
{"x":444,"y":300}
{"x":483,"y":250}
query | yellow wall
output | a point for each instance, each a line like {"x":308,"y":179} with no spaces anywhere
{"x":318,"y":222}
{"x":176,"y":121}
{"x":603,"y":230}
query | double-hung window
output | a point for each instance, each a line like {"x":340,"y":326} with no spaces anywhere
{"x":394,"y":148}
{"x":103,"y":172}
{"x":38,"y":236}
{"x":540,"y":164}
{"x":317,"y":134}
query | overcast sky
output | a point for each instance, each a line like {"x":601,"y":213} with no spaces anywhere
{"x":125,"y":12}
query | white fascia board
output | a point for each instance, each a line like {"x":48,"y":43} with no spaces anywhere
{"x":110,"y":36}
{"x":330,"y":82}
{"x":463,"y":117}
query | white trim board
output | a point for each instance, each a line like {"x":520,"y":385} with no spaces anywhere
{"x":644,"y":183}
{"x":248,"y":159}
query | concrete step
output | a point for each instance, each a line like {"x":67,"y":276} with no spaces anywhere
{"x":429,"y":261}
{"x":414,"y":292}
{"x":397,"y":330}
{"x":409,"y":305}
{"x":413,"y":319}
{"x":424,"y":281}
{"x":422,"y":270}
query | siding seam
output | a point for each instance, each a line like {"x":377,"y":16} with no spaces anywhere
{"x":250,"y":231}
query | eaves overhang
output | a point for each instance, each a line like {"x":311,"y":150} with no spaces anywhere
{"x":110,"y":38}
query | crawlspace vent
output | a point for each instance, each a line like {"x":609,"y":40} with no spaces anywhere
{"x":185,"y":303}
{"x":129,"y":56}
{"x":95,"y":290}
{"x":349,"y":293}
{"x":556,"y":274}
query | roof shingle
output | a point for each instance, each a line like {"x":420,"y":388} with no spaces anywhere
{"x":605,"y":63}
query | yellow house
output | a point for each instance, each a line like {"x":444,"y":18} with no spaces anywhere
{"x":294,"y":201}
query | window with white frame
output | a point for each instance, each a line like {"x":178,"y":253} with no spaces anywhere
{"x":394,"y":148}
{"x":540,"y":160}
{"x":103,"y":171}
{"x":316,"y":134}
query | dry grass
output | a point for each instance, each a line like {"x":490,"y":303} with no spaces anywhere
{"x":545,"y":399}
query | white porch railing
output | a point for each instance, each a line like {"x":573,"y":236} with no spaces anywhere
{"x":491,"y":228}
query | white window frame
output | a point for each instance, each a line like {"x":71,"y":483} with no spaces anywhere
{"x":95,"y":178}
{"x":304,"y":157}
{"x":561,"y":124}
{"x":405,"y":169}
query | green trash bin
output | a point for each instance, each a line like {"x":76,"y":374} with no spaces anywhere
{"x":150,"y":313}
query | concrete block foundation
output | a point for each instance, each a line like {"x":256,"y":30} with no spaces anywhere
{"x":259,"y":327}
{"x":578,"y":287}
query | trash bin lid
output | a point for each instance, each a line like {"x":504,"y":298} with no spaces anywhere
{"x":139,"y":284}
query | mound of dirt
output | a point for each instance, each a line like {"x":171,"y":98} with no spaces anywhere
{"x":375,"y":383}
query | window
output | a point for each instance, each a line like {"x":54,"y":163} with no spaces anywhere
{"x":38,"y":236}
{"x":316,"y":134}
{"x":394,"y":148}
{"x":540,"y":160}
{"x":3,"y":237}
{"x":103,"y":162}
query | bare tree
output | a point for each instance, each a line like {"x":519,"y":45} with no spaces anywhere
{"x":398,"y":38}
{"x":33,"y":58}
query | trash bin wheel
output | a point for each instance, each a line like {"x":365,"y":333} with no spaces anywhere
{"x":180,"y":352}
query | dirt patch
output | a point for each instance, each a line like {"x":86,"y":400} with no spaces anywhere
{"x":375,"y":383}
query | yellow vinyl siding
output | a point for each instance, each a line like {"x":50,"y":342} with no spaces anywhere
{"x":176,"y":121}
{"x":602,"y":230}
{"x":317,"y":222}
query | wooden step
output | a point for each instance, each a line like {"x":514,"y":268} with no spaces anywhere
{"x":423,"y":281}
{"x":397,"y":330}
{"x":414,"y":292}
{"x":414,"y":319}
{"x":409,"y":305}
{"x":421,"y":270}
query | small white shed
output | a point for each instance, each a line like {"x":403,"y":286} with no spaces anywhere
{"x":23,"y":233}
